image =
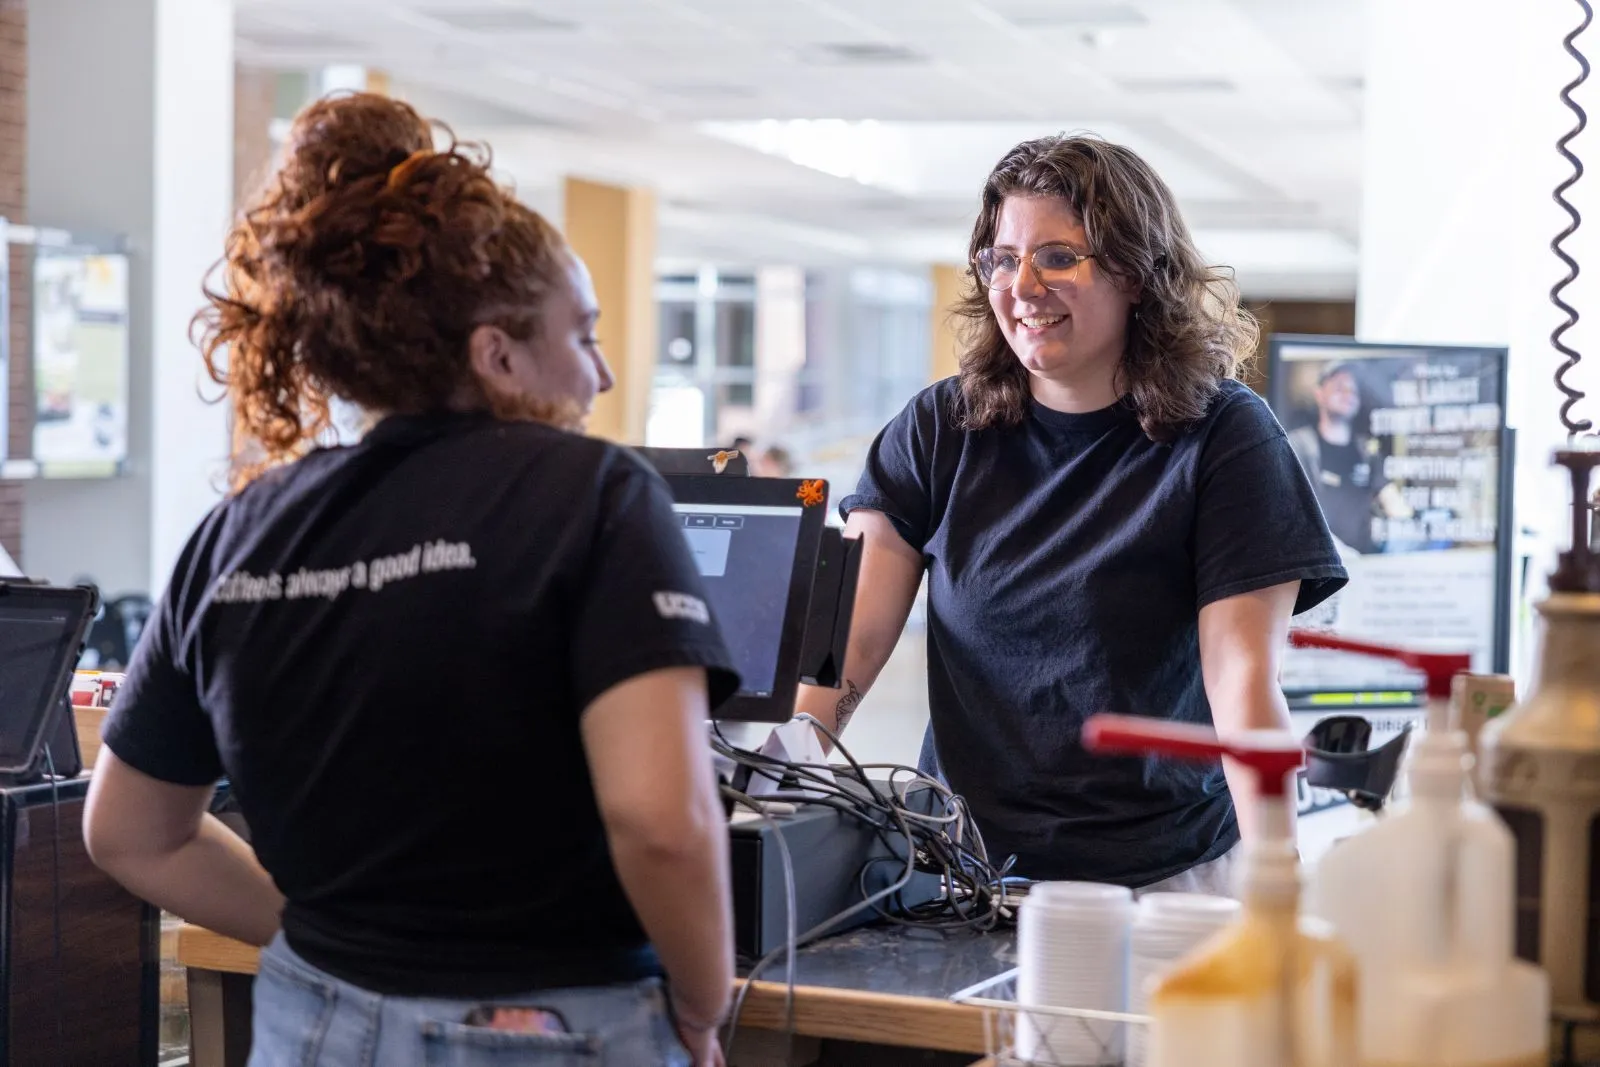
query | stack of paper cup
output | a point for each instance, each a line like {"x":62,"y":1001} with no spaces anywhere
{"x":1167,"y":927}
{"x":1072,"y":952}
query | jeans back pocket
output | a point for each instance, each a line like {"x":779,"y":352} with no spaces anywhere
{"x":457,"y":1045}
{"x":293,"y":1011}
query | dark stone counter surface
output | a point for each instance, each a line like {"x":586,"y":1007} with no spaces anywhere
{"x":901,"y":960}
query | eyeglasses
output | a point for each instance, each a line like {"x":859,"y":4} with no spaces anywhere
{"x":1053,"y":265}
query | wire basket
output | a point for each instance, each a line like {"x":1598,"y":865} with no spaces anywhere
{"x":1101,"y":1034}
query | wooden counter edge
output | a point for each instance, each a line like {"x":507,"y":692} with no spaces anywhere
{"x":819,"y":1011}
{"x":206,"y":950}
{"x":859,"y":1015}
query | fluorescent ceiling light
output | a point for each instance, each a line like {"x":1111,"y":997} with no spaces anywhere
{"x":707,"y":90}
{"x":862,"y":151}
{"x":948,"y":160}
{"x":1177,"y":85}
{"x":1059,"y":14}
{"x":498,"y":20}
{"x":286,"y":40}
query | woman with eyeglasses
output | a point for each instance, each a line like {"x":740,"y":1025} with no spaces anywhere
{"x":1108,"y":520}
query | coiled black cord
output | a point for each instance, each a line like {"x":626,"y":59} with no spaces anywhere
{"x":1572,"y":394}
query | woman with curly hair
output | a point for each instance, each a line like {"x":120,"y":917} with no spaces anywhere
{"x":1108,"y":521}
{"x":466,"y":738}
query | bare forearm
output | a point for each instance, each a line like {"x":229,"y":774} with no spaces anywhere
{"x":834,"y":708}
{"x":1265,"y":710}
{"x":681,"y":897}
{"x":214,"y":879}
{"x":1242,"y":787}
{"x":1241,"y":640}
{"x":891,"y":572}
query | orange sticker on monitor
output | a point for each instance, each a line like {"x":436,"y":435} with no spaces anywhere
{"x":812,"y":493}
{"x":720,"y":461}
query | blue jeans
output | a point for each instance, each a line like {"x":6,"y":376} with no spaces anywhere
{"x":305,"y":1017}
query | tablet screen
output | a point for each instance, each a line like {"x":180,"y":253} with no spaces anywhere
{"x":41,"y":631}
{"x":756,"y":541}
{"x":745,"y":554}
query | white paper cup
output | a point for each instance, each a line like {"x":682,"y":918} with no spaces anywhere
{"x":1072,"y":952}
{"x":1166,"y":928}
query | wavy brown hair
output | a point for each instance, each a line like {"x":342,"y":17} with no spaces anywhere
{"x":360,"y":271}
{"x":1189,"y":333}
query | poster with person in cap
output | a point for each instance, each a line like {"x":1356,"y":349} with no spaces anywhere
{"x":1338,"y":455}
{"x":1404,"y":447}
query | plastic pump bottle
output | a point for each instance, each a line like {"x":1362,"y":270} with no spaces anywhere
{"x":1541,"y":772}
{"x":1269,"y":990}
{"x":1424,"y":900}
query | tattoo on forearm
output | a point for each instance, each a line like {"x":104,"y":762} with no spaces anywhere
{"x":846,"y":708}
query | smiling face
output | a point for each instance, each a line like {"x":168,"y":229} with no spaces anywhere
{"x":1070,"y":339}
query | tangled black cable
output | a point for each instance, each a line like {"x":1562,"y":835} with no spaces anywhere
{"x":975,"y":888}
{"x":914,"y":839}
{"x":1572,"y":393}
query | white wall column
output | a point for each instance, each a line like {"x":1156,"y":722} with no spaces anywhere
{"x":780,"y":345}
{"x":1462,"y":113}
{"x":130,"y":133}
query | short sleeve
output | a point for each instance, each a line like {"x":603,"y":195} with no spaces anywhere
{"x":898,"y":473}
{"x":642,"y":606}
{"x":1257,"y":521}
{"x":157,"y":724}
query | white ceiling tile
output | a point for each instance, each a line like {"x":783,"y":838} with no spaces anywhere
{"x":1277,"y":148}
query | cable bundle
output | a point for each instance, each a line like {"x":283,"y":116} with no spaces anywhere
{"x":946,"y":843}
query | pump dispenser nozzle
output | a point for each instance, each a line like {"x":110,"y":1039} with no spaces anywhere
{"x":1273,"y":756}
{"x":1578,"y":568}
{"x":1265,"y":989}
{"x":1439,"y":667}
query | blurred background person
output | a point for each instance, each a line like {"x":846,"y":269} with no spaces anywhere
{"x":774,"y":461}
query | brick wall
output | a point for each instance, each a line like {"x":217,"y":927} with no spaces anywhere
{"x":13,"y":205}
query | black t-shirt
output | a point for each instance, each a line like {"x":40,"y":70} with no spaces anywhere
{"x":1068,"y":560}
{"x":388,"y":648}
{"x":1346,"y":492}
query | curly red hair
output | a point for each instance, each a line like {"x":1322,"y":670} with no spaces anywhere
{"x":361,"y":270}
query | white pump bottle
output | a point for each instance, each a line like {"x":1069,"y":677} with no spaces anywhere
{"x":1424,"y":900}
{"x":1268,"y":990}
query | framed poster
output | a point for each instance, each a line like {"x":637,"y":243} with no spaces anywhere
{"x":1408,"y":451}
{"x":80,"y":363}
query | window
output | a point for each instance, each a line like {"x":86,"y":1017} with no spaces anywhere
{"x":838,"y":353}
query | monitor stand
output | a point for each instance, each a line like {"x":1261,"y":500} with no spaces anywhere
{"x":65,"y":757}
